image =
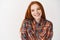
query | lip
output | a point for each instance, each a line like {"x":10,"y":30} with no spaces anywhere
{"x":37,"y":15}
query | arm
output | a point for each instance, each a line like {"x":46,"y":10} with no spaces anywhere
{"x":50,"y":31}
{"x":30,"y":34}
{"x":24,"y":31}
{"x":30,"y":31}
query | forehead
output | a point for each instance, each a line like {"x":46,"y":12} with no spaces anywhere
{"x":34,"y":6}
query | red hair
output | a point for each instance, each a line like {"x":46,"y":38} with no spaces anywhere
{"x":28,"y":12}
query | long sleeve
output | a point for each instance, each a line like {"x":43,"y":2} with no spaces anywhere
{"x":30,"y":31}
{"x":50,"y":31}
{"x":24,"y":31}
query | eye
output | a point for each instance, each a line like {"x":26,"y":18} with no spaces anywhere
{"x":32,"y":10}
{"x":38,"y":8}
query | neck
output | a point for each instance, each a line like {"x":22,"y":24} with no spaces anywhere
{"x":37,"y":20}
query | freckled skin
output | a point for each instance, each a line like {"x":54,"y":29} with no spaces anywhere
{"x":36,"y":12}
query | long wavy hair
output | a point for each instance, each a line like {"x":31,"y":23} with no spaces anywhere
{"x":28,"y":12}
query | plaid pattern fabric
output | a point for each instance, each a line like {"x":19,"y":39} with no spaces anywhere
{"x":31,"y":30}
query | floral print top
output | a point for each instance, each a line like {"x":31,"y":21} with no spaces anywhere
{"x":31,"y":30}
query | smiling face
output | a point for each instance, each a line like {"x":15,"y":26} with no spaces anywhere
{"x":36,"y":11}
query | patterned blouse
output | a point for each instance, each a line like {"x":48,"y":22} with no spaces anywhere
{"x":31,"y":30}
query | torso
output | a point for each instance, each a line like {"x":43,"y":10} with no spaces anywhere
{"x":37,"y":30}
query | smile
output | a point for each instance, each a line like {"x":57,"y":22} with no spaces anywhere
{"x":37,"y":15}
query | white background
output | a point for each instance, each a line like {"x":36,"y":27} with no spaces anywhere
{"x":12,"y":14}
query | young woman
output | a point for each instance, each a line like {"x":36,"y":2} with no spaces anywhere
{"x":35,"y":26}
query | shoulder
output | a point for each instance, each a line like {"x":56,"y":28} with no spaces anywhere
{"x":49,"y":23}
{"x":27,"y":21}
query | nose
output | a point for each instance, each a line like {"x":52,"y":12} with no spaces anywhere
{"x":36,"y":11}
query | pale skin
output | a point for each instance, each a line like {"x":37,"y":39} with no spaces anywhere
{"x":36,"y":12}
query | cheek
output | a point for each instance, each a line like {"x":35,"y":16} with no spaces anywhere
{"x":32,"y":13}
{"x":40,"y":12}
